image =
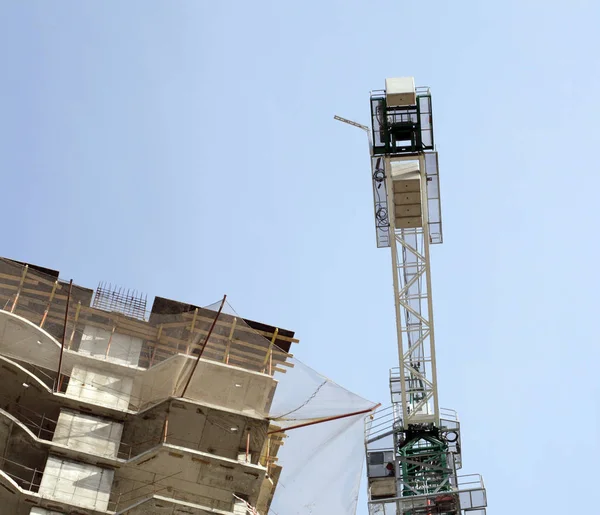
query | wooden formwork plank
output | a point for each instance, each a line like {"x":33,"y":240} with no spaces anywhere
{"x":246,"y":328}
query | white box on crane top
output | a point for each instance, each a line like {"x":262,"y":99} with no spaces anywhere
{"x":400,"y":92}
{"x":406,"y":179}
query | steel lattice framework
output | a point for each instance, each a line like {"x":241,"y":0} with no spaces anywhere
{"x":413,"y":447}
{"x":414,"y":314}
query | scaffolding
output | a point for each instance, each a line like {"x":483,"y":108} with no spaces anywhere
{"x":123,"y":410}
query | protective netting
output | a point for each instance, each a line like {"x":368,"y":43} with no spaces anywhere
{"x":322,"y":467}
{"x":311,"y":448}
{"x":321,"y":460}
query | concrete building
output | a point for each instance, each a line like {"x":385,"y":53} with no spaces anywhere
{"x":107,"y":409}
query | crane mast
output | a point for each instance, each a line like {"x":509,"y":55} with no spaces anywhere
{"x":413,"y":447}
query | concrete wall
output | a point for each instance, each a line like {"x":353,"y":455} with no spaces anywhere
{"x":213,"y":383}
{"x":100,"y":387}
{"x":123,"y":349}
{"x":265,"y":495}
{"x":159,"y":382}
{"x":104,"y":382}
{"x":20,"y":339}
{"x":76,"y":483}
{"x":194,"y":427}
{"x":193,"y":476}
{"x":87,"y":433}
{"x":213,"y":431}
{"x":144,"y":431}
{"x":234,"y":388}
{"x":12,"y":501}
{"x":5,"y":428}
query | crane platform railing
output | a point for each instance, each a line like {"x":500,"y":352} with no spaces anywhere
{"x":456,"y":495}
{"x":381,"y":423}
{"x":384,"y":421}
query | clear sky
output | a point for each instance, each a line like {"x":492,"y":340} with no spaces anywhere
{"x":188,"y":149}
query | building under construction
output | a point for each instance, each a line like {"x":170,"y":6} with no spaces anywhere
{"x":106,"y":407}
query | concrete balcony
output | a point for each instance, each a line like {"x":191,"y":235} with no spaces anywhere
{"x":117,"y":386}
{"x":16,"y":500}
{"x":161,"y":505}
{"x":226,"y":446}
{"x":69,"y":428}
{"x":196,"y":477}
{"x":195,"y":426}
{"x":65,"y":476}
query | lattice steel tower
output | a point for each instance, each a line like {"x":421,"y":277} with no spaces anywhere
{"x":413,"y":446}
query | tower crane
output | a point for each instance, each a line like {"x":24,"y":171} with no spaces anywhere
{"x":413,"y":447}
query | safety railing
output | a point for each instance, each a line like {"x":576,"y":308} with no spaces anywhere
{"x":27,"y":478}
{"x":420,"y":90}
{"x":380,"y":424}
{"x":450,"y":427}
{"x":449,"y":495}
{"x":384,"y":421}
{"x":45,"y":376}
{"x":40,"y":425}
{"x":129,"y":451}
{"x":449,"y":415}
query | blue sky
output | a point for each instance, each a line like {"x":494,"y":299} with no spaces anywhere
{"x":188,"y":149}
